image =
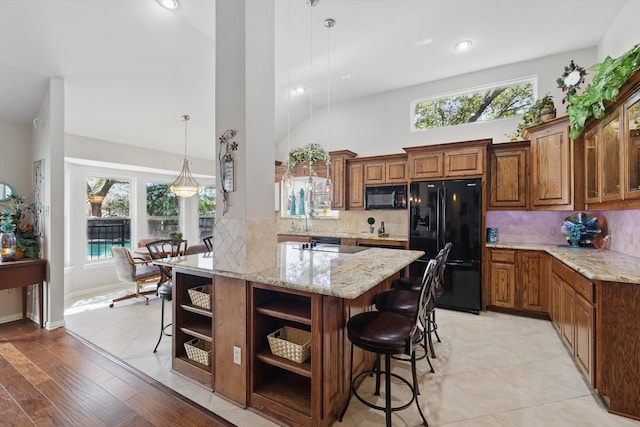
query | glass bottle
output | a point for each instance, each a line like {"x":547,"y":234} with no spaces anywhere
{"x":8,"y":245}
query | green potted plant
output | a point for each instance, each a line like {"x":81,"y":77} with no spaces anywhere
{"x":540,"y":111}
{"x":371,"y":221}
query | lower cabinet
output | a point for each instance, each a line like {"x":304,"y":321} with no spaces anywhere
{"x":519,"y":279}
{"x":573,"y":314}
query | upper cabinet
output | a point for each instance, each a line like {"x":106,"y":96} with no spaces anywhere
{"x":612,"y":152}
{"x":382,"y":170}
{"x":508,"y":163}
{"x":463,"y":159}
{"x":338,"y":177}
{"x":552,"y":166}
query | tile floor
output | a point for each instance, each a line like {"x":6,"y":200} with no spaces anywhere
{"x":492,"y":370}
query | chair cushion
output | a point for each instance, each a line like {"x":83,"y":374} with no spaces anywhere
{"x":380,"y":332}
{"x":165,"y":291}
{"x":410,"y":283}
{"x":402,"y":302}
{"x":144,"y":271}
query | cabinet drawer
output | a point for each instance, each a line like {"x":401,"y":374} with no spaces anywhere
{"x":503,"y":255}
{"x":584,"y":287}
{"x":566,"y":273}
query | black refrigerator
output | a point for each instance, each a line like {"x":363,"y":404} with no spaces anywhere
{"x":449,"y":211}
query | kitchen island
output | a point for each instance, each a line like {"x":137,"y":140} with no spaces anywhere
{"x":314,"y":290}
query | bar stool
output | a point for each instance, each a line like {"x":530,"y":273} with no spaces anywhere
{"x":386,"y":333}
{"x":164,"y":291}
{"x":413,"y":283}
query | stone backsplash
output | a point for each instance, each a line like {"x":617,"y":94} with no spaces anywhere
{"x":544,"y":227}
{"x":396,"y":222}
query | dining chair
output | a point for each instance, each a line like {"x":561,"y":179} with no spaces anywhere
{"x":134,"y":269}
{"x":208,"y":242}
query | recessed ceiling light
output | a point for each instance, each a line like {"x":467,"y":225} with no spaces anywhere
{"x":169,"y":4}
{"x":346,"y":76}
{"x":463,"y":45}
{"x":300,"y":89}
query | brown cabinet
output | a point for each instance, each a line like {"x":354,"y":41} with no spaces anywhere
{"x":612,"y":152}
{"x":519,"y":279}
{"x":382,"y":170}
{"x":508,"y":173}
{"x":573,"y":313}
{"x":552,"y":167}
{"x":355,"y":185}
{"x":339,"y":177}
{"x":462,"y":159}
{"x":503,"y":278}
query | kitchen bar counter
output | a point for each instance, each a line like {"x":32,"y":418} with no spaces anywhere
{"x":319,"y":271}
{"x":594,"y":264}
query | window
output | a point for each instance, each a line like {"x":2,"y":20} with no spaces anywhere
{"x":503,"y":100}
{"x":206,"y":211}
{"x":163,"y":211}
{"x":306,"y":198}
{"x":108,"y":221}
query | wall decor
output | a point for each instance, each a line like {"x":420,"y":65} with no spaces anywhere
{"x":225,"y":158}
{"x":38,"y":196}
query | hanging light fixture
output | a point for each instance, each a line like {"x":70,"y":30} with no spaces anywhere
{"x":185,"y":184}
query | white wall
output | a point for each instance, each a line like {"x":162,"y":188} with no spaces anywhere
{"x":15,"y":170}
{"x":380,"y":124}
{"x":623,"y":33}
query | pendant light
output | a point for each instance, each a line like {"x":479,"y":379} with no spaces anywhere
{"x":185,"y":184}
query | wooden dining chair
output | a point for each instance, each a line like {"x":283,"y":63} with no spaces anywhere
{"x":134,"y":270}
{"x":208,"y":242}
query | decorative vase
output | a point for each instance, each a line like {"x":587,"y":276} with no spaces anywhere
{"x":8,"y":245}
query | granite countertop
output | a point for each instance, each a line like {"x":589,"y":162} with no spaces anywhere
{"x":343,"y":275}
{"x":347,"y":235}
{"x":594,"y":264}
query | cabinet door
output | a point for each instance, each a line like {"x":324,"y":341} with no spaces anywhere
{"x":508,"y":178}
{"x":338,"y":198}
{"x":356,"y":186}
{"x":374,"y":173}
{"x":567,"y":304}
{"x":584,"y":333}
{"x":426,"y":165}
{"x":464,"y":162}
{"x":632,"y":148}
{"x":552,"y":167}
{"x":503,"y":285}
{"x":610,"y":158}
{"x":396,"y":172}
{"x":591,"y":168}
{"x":533,"y":280}
{"x":556,"y":297}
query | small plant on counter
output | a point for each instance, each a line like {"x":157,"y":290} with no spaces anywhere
{"x":371,"y":220}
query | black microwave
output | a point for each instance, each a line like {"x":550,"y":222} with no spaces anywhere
{"x":385,"y":197}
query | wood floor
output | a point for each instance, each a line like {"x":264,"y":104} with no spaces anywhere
{"x":53,"y":378}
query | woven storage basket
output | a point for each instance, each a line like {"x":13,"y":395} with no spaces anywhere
{"x":291,"y":343}
{"x":201,"y":296}
{"x":199,"y":351}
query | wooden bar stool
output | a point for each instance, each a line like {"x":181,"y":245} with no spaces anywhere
{"x":386,"y":333}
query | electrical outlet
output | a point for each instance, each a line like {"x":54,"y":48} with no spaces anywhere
{"x":237,"y":355}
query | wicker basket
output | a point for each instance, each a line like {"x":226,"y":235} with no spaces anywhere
{"x":291,"y":343}
{"x":201,"y":296}
{"x":199,"y":350}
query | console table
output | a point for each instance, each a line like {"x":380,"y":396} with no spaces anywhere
{"x":23,"y":273}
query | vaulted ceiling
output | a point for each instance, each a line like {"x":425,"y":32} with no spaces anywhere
{"x":132,"y":68}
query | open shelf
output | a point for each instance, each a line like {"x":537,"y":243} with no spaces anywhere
{"x":287,"y":307}
{"x":289,"y":390}
{"x":303,"y":369}
{"x":195,"y":309}
{"x":197,"y":331}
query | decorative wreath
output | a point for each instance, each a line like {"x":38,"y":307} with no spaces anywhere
{"x":571,"y":79}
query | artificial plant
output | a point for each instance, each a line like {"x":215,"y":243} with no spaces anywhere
{"x":11,"y":221}
{"x":532,"y":116}
{"x":610,"y":75}
{"x":312,"y":153}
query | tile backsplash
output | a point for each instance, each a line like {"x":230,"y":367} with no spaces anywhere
{"x":396,"y":222}
{"x":544,"y":227}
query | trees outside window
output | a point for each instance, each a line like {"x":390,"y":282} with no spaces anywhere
{"x":163,"y":211}
{"x":499,"y":101}
{"x":206,"y":211}
{"x":108,"y":218}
